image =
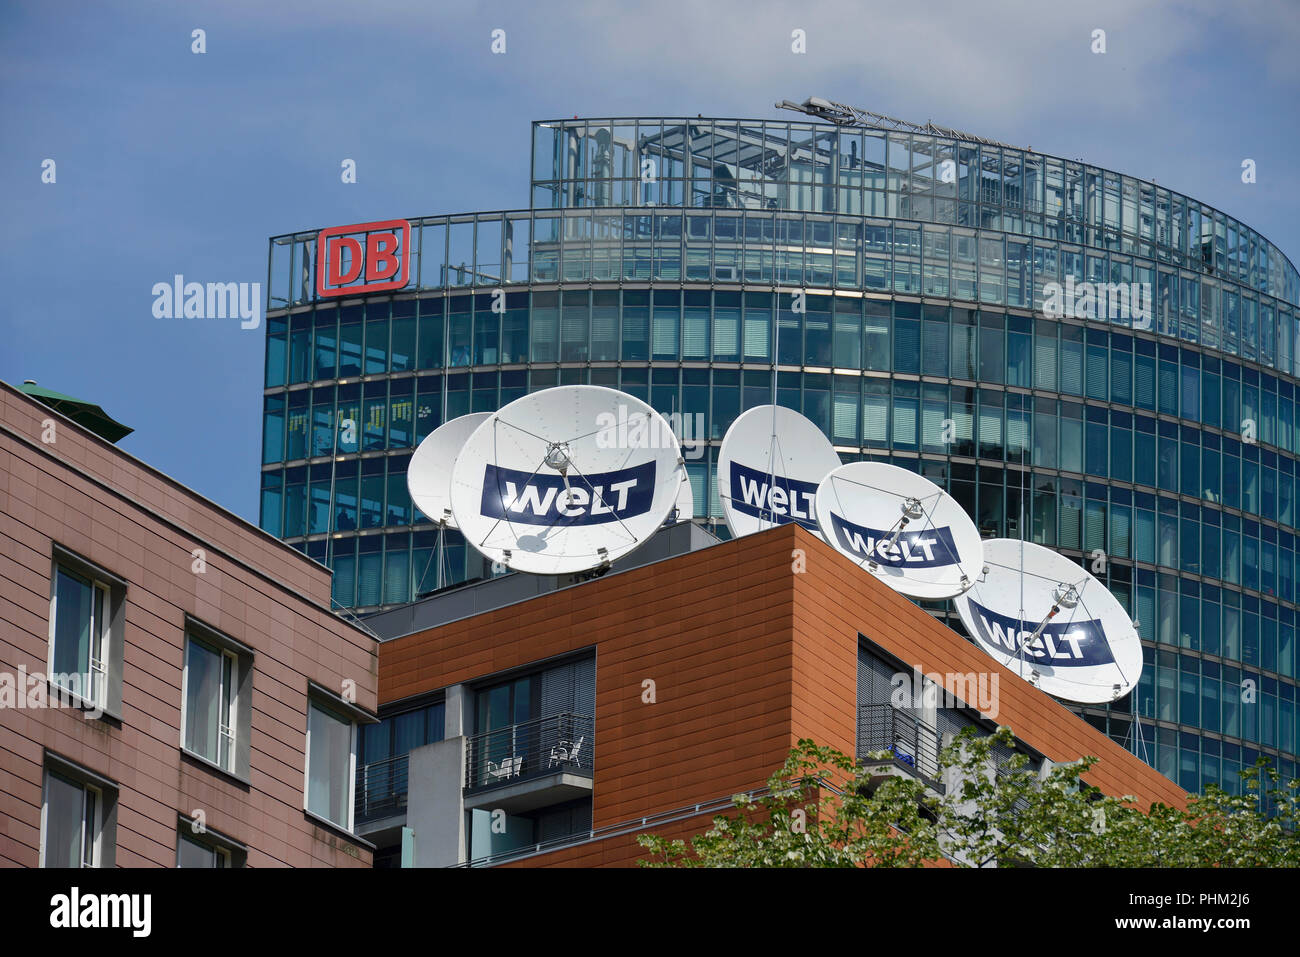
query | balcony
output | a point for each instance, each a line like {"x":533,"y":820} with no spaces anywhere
{"x":913,"y":745}
{"x":381,"y":790}
{"x":530,"y":765}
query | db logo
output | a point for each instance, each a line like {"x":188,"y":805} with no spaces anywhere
{"x":343,"y":252}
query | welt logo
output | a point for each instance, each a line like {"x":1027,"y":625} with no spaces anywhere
{"x":362,"y":258}
{"x":595,"y":499}
{"x":783,"y":500}
{"x":1072,"y":644}
{"x":928,"y":548}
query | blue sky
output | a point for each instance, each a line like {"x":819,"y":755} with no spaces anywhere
{"x":171,"y":162}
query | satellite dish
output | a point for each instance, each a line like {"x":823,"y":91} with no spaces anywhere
{"x":902,"y":528}
{"x":771,"y":461}
{"x":1073,"y":640}
{"x":428,"y":477}
{"x":566,"y":480}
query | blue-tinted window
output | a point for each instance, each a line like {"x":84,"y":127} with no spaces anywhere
{"x":377,"y":344}
{"x":402,"y":355}
{"x":907,"y":346}
{"x":876,"y":353}
{"x":935,"y":344}
{"x":350,"y":335}
{"x":277,"y":350}
{"x":992,"y":359}
{"x":1096,"y":455}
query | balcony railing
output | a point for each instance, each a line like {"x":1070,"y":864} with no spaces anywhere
{"x":381,"y":789}
{"x":913,"y":743}
{"x":550,"y":745}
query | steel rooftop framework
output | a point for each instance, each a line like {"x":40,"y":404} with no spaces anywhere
{"x":841,"y":114}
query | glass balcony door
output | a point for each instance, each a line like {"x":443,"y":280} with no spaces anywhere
{"x":503,"y":708}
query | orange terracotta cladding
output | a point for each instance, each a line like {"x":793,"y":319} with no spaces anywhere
{"x":747,"y":657}
{"x":100,"y":503}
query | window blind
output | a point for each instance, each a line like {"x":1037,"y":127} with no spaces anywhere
{"x":1045,"y":362}
{"x":846,"y":418}
{"x":875,"y":419}
{"x":726,"y":324}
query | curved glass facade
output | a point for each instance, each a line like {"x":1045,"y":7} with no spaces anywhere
{"x":1161,"y":452}
{"x":820,"y":168}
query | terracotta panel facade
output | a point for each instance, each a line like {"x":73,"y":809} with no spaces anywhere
{"x":747,"y":656}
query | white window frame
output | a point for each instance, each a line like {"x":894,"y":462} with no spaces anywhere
{"x":324,"y":704}
{"x":91,"y":843}
{"x":95,"y":692}
{"x":228,"y":706}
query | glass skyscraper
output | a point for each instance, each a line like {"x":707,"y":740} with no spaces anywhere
{"x":896,"y":277}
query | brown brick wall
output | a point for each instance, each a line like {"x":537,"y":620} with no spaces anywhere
{"x":100,"y":503}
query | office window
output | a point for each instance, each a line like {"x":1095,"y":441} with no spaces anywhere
{"x":80,"y":635}
{"x":397,"y":735}
{"x":195,"y":853}
{"x":1019,"y":353}
{"x":216,"y":697}
{"x":210,"y":699}
{"x":331,"y":759}
{"x":512,"y":702}
{"x":78,"y":817}
{"x":1045,"y":355}
{"x":199,"y":847}
{"x":907,"y":346}
{"x":85,"y":653}
{"x":875,"y":344}
{"x":72,"y":823}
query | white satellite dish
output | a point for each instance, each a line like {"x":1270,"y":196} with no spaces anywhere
{"x":566,"y":480}
{"x":428,"y":477}
{"x":1073,"y":639}
{"x":771,"y":461}
{"x":902,"y":528}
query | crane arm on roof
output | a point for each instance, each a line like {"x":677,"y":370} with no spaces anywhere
{"x":842,"y":114}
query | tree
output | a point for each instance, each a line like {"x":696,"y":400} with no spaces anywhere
{"x":824,"y":809}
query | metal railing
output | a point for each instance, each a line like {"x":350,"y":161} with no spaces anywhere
{"x":549,"y":745}
{"x":825,"y":249}
{"x":913,"y":743}
{"x":381,"y":789}
{"x":632,"y":826}
{"x":642,"y":825}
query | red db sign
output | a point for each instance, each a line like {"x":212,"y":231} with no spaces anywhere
{"x":366,"y":257}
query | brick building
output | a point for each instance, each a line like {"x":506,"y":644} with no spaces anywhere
{"x":174,"y":688}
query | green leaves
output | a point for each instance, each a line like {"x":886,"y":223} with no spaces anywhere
{"x":824,"y":809}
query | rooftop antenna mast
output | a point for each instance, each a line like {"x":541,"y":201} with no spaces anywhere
{"x":1139,"y":742}
{"x":772,"y":452}
{"x":1020,"y":519}
{"x":841,"y":114}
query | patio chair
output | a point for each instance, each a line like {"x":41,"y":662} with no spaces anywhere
{"x":559,"y":754}
{"x":508,"y":768}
